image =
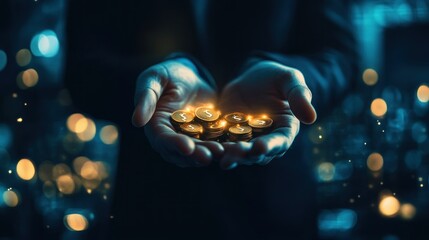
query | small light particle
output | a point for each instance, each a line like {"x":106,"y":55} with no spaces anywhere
{"x":420,"y":179}
{"x":381,"y":183}
{"x":104,"y":197}
{"x":421,"y":185}
{"x":394,"y":194}
{"x":14,"y":95}
{"x":111,"y":216}
{"x":382,"y":130}
{"x":320,"y":137}
{"x":25,"y":104}
{"x":352,"y":200}
{"x":47,"y":226}
{"x":378,"y":123}
{"x":19,"y":120}
{"x":364,"y":143}
{"x":350,"y":160}
{"x":358,"y":195}
{"x":9,"y":171}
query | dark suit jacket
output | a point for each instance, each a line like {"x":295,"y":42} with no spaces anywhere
{"x":111,"y":42}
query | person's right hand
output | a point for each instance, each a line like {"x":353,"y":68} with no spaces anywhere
{"x":163,"y":89}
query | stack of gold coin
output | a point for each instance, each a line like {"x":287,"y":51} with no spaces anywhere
{"x":239,"y":133}
{"x":206,"y":116}
{"x":235,"y":118}
{"x":260,"y":124}
{"x":214,"y":131}
{"x":181,"y":116}
{"x":191,"y":129}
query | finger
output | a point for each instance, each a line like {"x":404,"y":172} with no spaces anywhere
{"x":149,"y":88}
{"x":145,"y":108}
{"x":215,"y":148}
{"x":299,"y":98}
{"x":235,"y":154}
{"x":278,"y":141}
{"x":201,"y":156}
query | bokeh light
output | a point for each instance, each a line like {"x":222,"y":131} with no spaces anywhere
{"x":423,"y":93}
{"x":60,"y":169}
{"x":5,"y":136}
{"x":89,"y":133}
{"x":25,"y":169}
{"x":378,"y":107}
{"x":79,"y":162}
{"x":375,"y":161}
{"x":89,"y":170}
{"x":370,"y":77}
{"x":30,"y":78}
{"x":65,"y":184}
{"x":407,"y":211}
{"x":23,"y":57}
{"x":419,"y":132}
{"x":77,"y":123}
{"x":45,"y":44}
{"x":109,"y":134}
{"x":76,"y":222}
{"x":389,"y":206}
{"x":10,"y":198}
{"x":325,"y":171}
{"x":3,"y":59}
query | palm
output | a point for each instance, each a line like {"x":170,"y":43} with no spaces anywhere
{"x":161,"y":90}
{"x":266,"y":88}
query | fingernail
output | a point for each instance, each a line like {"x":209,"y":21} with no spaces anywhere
{"x":232,"y":166}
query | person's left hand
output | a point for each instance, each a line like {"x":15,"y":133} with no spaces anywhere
{"x":273,"y":89}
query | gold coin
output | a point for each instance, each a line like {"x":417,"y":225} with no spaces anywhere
{"x":260,"y":122}
{"x":217,"y":126}
{"x":236,"y":118}
{"x":191,"y":128}
{"x":206,"y":114}
{"x":240,"y":130}
{"x":182,"y":116}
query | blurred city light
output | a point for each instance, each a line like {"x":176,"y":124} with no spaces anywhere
{"x":10,"y":198}
{"x":389,"y":206}
{"x":76,"y":222}
{"x":378,"y":107}
{"x":407,"y":211}
{"x":3,"y":60}
{"x":25,"y":169}
{"x":23,"y":57}
{"x":423,"y":93}
{"x":45,"y":44}
{"x":375,"y":162}
{"x":338,"y":220}
{"x":109,"y":134}
{"x":370,"y":77}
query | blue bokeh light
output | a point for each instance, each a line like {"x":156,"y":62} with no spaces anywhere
{"x":3,"y":59}
{"x":45,"y":44}
{"x":337,"y":220}
{"x":5,"y":136}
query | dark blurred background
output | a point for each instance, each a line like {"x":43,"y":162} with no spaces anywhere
{"x":67,"y":74}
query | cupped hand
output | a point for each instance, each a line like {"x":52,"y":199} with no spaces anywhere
{"x":268,"y":88}
{"x":163,"y":89}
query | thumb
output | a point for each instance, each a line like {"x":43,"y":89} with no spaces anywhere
{"x":299,"y":98}
{"x":145,"y":107}
{"x":150,"y":85}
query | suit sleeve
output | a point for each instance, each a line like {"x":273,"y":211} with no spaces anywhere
{"x":323,"y":49}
